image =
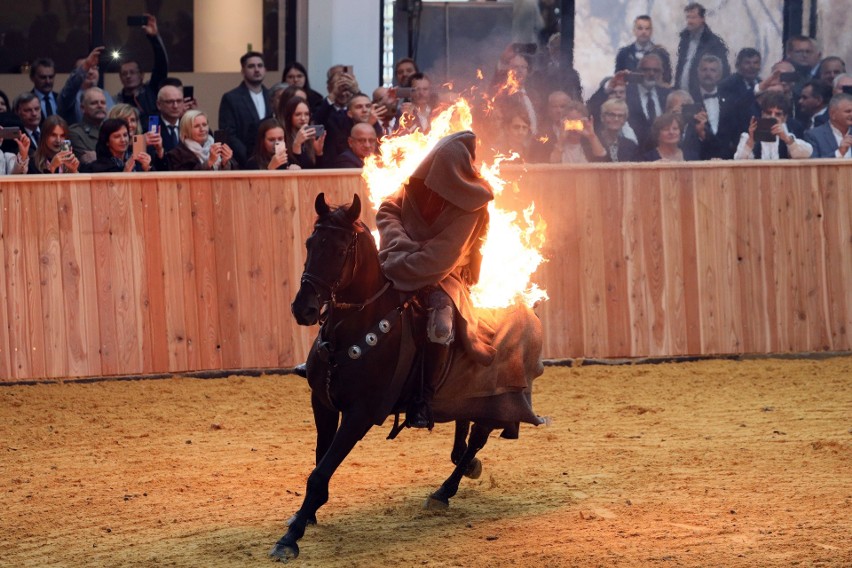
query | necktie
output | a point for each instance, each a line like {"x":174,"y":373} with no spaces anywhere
{"x":650,"y":108}
{"x":711,"y":96}
{"x":36,"y":135}
{"x":172,"y":135}
{"x":48,"y":108}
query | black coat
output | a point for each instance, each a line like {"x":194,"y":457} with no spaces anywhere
{"x":708,"y":44}
{"x":238,"y":116}
{"x":636,"y":114}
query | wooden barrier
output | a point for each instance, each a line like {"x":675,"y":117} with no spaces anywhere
{"x":142,"y":274}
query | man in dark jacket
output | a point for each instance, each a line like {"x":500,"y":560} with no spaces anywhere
{"x":242,"y":109}
{"x":135,"y":91}
{"x":696,"y":40}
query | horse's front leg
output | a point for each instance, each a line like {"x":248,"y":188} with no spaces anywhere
{"x":353,"y":427}
{"x":440,"y":499}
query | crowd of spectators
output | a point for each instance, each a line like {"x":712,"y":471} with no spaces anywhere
{"x":655,"y":106}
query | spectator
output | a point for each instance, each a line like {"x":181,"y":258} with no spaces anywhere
{"x":403,"y":70}
{"x":84,"y":135}
{"x":611,"y":135}
{"x":270,"y":151}
{"x":578,"y":143}
{"x":834,"y":138}
{"x":153,"y":140}
{"x":697,"y":40}
{"x":4,"y":103}
{"x":296,"y":75}
{"x":738,"y":89}
{"x":645,"y":100}
{"x":515,"y":136}
{"x":422,"y":102}
{"x":813,"y":102}
{"x":829,"y":68}
{"x":705,"y":134}
{"x":275,"y":92}
{"x":628,"y":57}
{"x":53,"y":155}
{"x":804,"y":54}
{"x":774,"y":83}
{"x":287,"y":94}
{"x":242,"y":108}
{"x":841,"y":81}
{"x":676,"y":100}
{"x":28,"y":110}
{"x":189,"y":102}
{"x":114,"y":152}
{"x":362,"y":143}
{"x":385,"y":103}
{"x":557,"y":105}
{"x":42,"y":73}
{"x":11,"y":163}
{"x":332,"y":112}
{"x":666,"y":135}
{"x":197,"y":149}
{"x":773,"y":106}
{"x":304,"y":147}
{"x":553,"y":75}
{"x":84,"y":76}
{"x":135,"y":91}
{"x":171,"y":107}
{"x":527,"y":22}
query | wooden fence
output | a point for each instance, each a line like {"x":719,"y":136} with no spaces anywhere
{"x":141,"y":274}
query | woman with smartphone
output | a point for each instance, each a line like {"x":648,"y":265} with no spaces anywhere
{"x":53,"y":154}
{"x":270,"y":151}
{"x":198,"y":150}
{"x":304,"y":141}
{"x":114,"y":152}
{"x":16,"y":163}
{"x":153,"y":140}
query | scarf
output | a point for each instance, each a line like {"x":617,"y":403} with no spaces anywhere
{"x":201,"y":152}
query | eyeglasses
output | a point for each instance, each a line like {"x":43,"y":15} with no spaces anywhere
{"x":171,"y":101}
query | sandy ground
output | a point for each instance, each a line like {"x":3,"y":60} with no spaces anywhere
{"x":715,"y":463}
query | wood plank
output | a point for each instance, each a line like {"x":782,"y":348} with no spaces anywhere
{"x":226,"y":235}
{"x":155,"y":345}
{"x":207,"y":342}
{"x":173,"y":277}
{"x":107,"y":323}
{"x":33,"y":217}
{"x":7,"y":195}
{"x":185,"y":275}
{"x":50,"y":281}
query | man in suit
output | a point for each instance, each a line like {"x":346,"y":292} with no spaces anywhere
{"x":697,"y":40}
{"x":738,"y":90}
{"x":135,"y":91}
{"x":28,"y":110}
{"x":804,"y":54}
{"x":362,"y":143}
{"x":813,"y":102}
{"x":42,"y":73}
{"x":628,"y":57}
{"x":709,"y":136}
{"x":242,"y":109}
{"x":829,"y":68}
{"x":84,"y":134}
{"x":834,"y":138}
{"x":84,"y":76}
{"x":171,"y":104}
{"x":646,"y":100}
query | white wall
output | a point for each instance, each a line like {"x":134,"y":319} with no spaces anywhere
{"x":343,"y":32}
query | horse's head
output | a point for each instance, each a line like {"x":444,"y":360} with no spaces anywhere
{"x":331,"y":260}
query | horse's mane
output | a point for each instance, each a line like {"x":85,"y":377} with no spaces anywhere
{"x":338,"y":216}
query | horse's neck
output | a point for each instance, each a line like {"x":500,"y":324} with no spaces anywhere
{"x":368,"y":279}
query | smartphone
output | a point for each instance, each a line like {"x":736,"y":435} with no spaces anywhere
{"x":66,"y":146}
{"x":347,"y":69}
{"x":635,"y":77}
{"x":847,"y":89}
{"x":280,"y":147}
{"x":139,"y":143}
{"x":153,"y":123}
{"x":572,"y":125}
{"x":10,"y":133}
{"x":403,"y":92}
{"x":319,"y":128}
{"x":763,"y":132}
{"x":688,"y":112}
{"x":188,"y":92}
{"x":790,"y":77}
{"x":221,"y":136}
{"x":135,"y":21}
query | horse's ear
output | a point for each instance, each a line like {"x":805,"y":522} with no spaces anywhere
{"x":354,"y":210}
{"x":321,"y":206}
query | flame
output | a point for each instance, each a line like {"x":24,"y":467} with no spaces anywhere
{"x":511,"y":250}
{"x":479,"y":74}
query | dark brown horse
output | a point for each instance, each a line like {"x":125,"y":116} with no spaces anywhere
{"x":360,"y":366}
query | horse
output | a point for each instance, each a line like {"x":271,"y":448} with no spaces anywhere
{"x":359,"y":367}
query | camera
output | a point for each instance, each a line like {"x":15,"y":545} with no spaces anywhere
{"x":137,"y":21}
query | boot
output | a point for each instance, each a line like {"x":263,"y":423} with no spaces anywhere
{"x":435,"y":357}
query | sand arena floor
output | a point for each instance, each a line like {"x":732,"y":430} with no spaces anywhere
{"x":714,"y":463}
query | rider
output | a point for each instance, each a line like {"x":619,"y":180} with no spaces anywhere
{"x":431,"y":233}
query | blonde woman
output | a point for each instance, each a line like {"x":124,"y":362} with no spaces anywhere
{"x":197,"y":149}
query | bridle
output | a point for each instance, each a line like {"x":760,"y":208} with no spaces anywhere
{"x":321,"y":285}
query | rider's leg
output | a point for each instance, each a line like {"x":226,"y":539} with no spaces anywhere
{"x":440,"y":332}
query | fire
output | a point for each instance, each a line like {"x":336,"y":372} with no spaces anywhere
{"x":511,"y":251}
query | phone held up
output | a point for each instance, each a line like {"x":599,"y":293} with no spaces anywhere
{"x":10,"y":133}
{"x":153,"y":123}
{"x":220,"y":136}
{"x":138,"y":144}
{"x":137,"y":21}
{"x":66,"y":146}
{"x":319,"y":129}
{"x":188,"y":92}
{"x":763,"y":132}
{"x":403,"y":92}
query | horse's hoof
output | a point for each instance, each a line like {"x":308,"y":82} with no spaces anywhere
{"x":435,"y":504}
{"x":474,"y":469}
{"x":284,"y":552}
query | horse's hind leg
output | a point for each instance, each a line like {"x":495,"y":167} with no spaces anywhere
{"x":440,"y":499}
{"x":474,"y":470}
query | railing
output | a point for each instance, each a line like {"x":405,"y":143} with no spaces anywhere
{"x":158,"y":273}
